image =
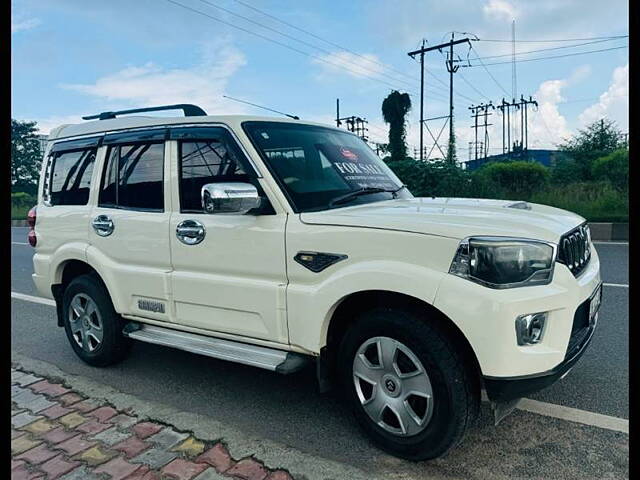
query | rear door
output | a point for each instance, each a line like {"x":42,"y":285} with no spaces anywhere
{"x":234,"y":280}
{"x":129,"y":225}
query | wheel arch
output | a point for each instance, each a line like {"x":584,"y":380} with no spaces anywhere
{"x":344,"y":313}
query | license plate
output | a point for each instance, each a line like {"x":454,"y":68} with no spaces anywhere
{"x":594,"y":305}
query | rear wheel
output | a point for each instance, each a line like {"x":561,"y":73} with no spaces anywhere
{"x":92,"y":325}
{"x":409,"y":388}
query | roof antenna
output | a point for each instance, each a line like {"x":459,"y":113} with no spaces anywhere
{"x":295,"y":117}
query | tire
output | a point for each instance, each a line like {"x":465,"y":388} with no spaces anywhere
{"x":97,"y":339}
{"x":432,"y":426}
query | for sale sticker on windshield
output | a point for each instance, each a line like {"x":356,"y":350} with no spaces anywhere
{"x":357,"y":168}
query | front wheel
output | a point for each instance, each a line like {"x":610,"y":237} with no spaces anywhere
{"x":408,"y":386}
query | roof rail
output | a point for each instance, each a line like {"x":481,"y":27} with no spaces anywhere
{"x":188,"y":109}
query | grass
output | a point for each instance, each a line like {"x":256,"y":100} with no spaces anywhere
{"x":19,"y":212}
{"x":597,"y":202}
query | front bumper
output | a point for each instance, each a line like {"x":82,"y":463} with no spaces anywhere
{"x":505,"y":389}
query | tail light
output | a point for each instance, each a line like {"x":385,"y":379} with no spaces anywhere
{"x":31,"y":222}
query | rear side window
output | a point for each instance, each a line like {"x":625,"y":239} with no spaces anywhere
{"x":133,"y":177}
{"x":207,"y":161}
{"x":70,"y":180}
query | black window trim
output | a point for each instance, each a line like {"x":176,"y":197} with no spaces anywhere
{"x":104,"y":171}
{"x":53,"y":155}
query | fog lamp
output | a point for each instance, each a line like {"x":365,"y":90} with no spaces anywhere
{"x":530,"y":327}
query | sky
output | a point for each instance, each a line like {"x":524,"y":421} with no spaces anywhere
{"x":78,"y":57}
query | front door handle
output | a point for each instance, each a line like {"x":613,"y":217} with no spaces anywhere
{"x":190,"y":232}
{"x":103,"y":225}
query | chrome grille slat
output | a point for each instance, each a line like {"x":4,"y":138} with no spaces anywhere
{"x":574,"y":249}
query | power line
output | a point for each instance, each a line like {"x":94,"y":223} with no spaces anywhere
{"x":556,"y":40}
{"x":490,"y":74}
{"x":302,"y":52}
{"x":547,"y":49}
{"x":291,"y":37}
{"x":552,"y":57}
{"x":333,"y":44}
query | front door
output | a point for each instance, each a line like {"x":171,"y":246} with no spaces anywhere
{"x":234,"y":280}
{"x":128,"y":231}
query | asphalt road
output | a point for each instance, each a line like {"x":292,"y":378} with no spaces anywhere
{"x":289,"y":410}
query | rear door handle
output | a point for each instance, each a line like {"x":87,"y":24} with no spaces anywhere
{"x":103,"y":225}
{"x":190,"y":232}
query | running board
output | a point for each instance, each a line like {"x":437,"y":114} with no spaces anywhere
{"x":256,"y":356}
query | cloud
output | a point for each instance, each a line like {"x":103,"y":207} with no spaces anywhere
{"x":152,"y":84}
{"x":346,"y":63}
{"x":499,"y":10}
{"x":45,"y":125}
{"x":613,"y":103}
{"x":22,"y":25}
{"x":547,"y":127}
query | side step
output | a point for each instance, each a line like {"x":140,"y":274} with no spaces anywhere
{"x":256,"y":356}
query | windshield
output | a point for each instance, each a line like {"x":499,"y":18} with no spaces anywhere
{"x":320,"y":168}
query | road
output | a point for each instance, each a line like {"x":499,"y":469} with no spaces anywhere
{"x":290,"y":411}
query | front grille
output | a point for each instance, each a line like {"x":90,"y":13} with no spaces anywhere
{"x":574,"y":250}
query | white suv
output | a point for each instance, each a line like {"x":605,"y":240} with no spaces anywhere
{"x":278,"y":243}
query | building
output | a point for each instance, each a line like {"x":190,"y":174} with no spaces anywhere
{"x":545,"y":157}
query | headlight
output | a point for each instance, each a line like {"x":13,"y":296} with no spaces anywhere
{"x":499,"y":262}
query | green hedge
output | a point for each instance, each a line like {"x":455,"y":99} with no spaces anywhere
{"x":21,"y":203}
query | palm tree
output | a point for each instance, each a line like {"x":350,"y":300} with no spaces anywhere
{"x":394,"y":109}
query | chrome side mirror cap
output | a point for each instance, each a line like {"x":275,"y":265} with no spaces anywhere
{"x":233,"y":197}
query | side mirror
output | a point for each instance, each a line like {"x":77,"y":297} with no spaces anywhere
{"x":237,"y":198}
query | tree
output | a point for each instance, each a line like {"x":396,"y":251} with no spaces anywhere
{"x":598,"y":139}
{"x":613,"y":168}
{"x":26,"y":157}
{"x":452,"y":156}
{"x":394,"y":110}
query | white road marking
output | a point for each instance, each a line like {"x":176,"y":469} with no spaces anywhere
{"x":19,"y":243}
{"x":541,"y":408}
{"x":621,"y":285}
{"x":611,"y":243}
{"x":31,"y":298}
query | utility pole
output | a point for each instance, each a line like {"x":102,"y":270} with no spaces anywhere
{"x":525,"y":125}
{"x":451,"y":70}
{"x":478,"y":111}
{"x":357,"y":125}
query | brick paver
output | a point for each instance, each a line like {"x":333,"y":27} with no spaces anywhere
{"x":58,"y":434}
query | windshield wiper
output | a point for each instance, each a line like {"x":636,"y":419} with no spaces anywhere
{"x":356,"y":193}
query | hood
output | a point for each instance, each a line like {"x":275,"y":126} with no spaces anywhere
{"x":454,"y":217}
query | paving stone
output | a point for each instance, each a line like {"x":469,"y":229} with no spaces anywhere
{"x":16,"y":463}
{"x":72,"y":420}
{"x":167,"y":438}
{"x":123,"y":421}
{"x":86,"y":406}
{"x":37,"y":455}
{"x":26,"y":379}
{"x":22,"y":444}
{"x":118,"y":468}
{"x":146,"y":429}
{"x":32,"y":401}
{"x":210,"y":474}
{"x":248,"y":469}
{"x":23,"y":419}
{"x":15,"y":375}
{"x":191,"y":447}
{"x":39,"y":427}
{"x":56,"y":411}
{"x":75,"y":445}
{"x":15,"y":433}
{"x":131,"y":446}
{"x":218,"y":457}
{"x":111,"y":436}
{"x":96,"y":455}
{"x":103,"y":414}
{"x":22,"y":473}
{"x":81,"y":473}
{"x":180,"y":469}
{"x":93,"y":426}
{"x":49,"y":389}
{"x":58,"y":435}
{"x":69,"y":399}
{"x":58,"y":466}
{"x":155,"y":457}
{"x":279,"y":475}
{"x":16,"y":390}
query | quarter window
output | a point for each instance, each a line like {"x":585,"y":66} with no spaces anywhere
{"x":71,"y":177}
{"x":133,"y":177}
